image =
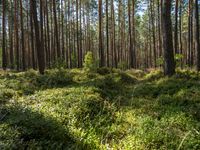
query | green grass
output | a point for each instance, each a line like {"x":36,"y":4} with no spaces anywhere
{"x":111,"y":109}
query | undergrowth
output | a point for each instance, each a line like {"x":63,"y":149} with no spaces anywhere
{"x":103,"y":109}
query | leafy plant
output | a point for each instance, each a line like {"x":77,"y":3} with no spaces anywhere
{"x":89,"y":63}
{"x":122,"y":65}
{"x":160,"y":61}
{"x":178,"y":59}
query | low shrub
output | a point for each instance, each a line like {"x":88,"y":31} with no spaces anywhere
{"x":54,"y":78}
{"x":136,"y":73}
{"x":104,"y":71}
{"x":126,"y":78}
{"x":6,"y":94}
{"x":154,"y":75}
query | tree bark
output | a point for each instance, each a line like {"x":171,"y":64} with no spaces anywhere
{"x":169,"y":63}
{"x":101,"y":50}
{"x":39,"y":47}
{"x":197,"y":43}
{"x":4,"y":57}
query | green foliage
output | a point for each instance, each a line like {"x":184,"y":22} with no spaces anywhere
{"x":59,"y":64}
{"x":54,"y":78}
{"x":0,"y":57}
{"x":89,"y":63}
{"x":127,"y":78}
{"x":178,"y":58}
{"x":104,"y":70}
{"x":6,"y":94}
{"x":136,"y":73}
{"x":123,"y":65}
{"x":66,"y":109}
{"x":160,"y":61}
{"x":153,"y":75}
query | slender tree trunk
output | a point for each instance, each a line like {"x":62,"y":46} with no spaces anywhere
{"x":4,"y":57}
{"x":176,"y":29}
{"x":80,"y":39}
{"x":62,"y":32}
{"x":189,"y":34}
{"x":56,"y":30}
{"x":48,"y":59}
{"x":180,"y":31}
{"x":131,"y":49}
{"x":101,"y":50}
{"x":77,"y":33}
{"x":32,"y":39}
{"x":107,"y":34}
{"x":159,"y":30}
{"x":16,"y":35}
{"x":153,"y":32}
{"x":22,"y":37}
{"x":41,"y":30}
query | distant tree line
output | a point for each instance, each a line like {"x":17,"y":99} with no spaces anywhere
{"x":120,"y":33}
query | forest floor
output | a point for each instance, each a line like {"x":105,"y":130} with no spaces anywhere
{"x":111,"y":109}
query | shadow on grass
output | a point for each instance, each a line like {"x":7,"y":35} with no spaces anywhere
{"x":35,"y":131}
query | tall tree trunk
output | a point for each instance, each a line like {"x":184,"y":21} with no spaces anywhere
{"x":153,"y":32}
{"x":4,"y":57}
{"x":56,"y":30}
{"x":131,"y":49}
{"x":114,"y":54}
{"x":101,"y":50}
{"x":180,"y":31}
{"x":176,"y":29}
{"x":159,"y":29}
{"x":39,"y":47}
{"x":62,"y":32}
{"x":134,"y":34}
{"x":197,"y":43}
{"x":169,"y":63}
{"x":11,"y":43}
{"x":77,"y":33}
{"x":22,"y":37}
{"x":41,"y":29}
{"x":189,"y":34}
{"x":80,"y":39}
{"x":32,"y":39}
{"x":107,"y":34}
{"x":16,"y":35}
{"x":48,"y":59}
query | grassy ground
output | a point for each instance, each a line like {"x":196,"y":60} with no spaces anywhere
{"x":108,"y":110}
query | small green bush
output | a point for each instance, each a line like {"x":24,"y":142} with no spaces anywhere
{"x":89,"y":63}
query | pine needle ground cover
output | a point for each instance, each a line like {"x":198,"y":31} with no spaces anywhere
{"x":110,"y":109}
